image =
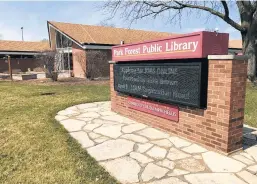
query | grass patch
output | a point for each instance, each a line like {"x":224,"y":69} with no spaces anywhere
{"x":34,"y":147}
{"x":251,"y":105}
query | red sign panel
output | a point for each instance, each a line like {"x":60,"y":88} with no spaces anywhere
{"x":162,"y":110}
{"x":195,"y":45}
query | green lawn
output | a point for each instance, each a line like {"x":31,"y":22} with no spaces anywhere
{"x":251,"y":106}
{"x":34,"y":148}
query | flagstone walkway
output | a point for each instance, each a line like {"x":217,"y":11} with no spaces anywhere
{"x":136,"y":153}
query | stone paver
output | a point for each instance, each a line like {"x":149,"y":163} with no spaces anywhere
{"x":135,"y":138}
{"x":163,"y":143}
{"x":111,"y":149}
{"x":166,"y":163}
{"x":91,"y":127}
{"x":105,"y":122}
{"x":140,"y":157}
{"x":113,"y":131}
{"x":83,"y":139}
{"x":178,"y":142}
{"x":129,"y":121}
{"x":191,"y":165}
{"x":153,"y":133}
{"x":107,"y":113}
{"x":90,"y":115}
{"x":213,"y":178}
{"x":252,"y":151}
{"x":144,"y":147}
{"x":157,"y":152}
{"x":135,"y":153}
{"x":72,"y":125}
{"x":93,"y":135}
{"x":248,"y":177}
{"x":89,"y":109}
{"x":153,"y":171}
{"x":124,"y":169}
{"x":115,"y":118}
{"x":220,"y":163}
{"x":243,"y":159}
{"x":84,"y":119}
{"x":247,"y":155}
{"x":101,"y":139}
{"x":168,"y":181}
{"x":199,"y":157}
{"x":133,"y":127}
{"x":175,"y":154}
{"x":252,"y":169}
{"x":194,"y":148}
{"x":178,"y":172}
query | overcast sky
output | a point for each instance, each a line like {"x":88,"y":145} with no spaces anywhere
{"x":33,"y":16}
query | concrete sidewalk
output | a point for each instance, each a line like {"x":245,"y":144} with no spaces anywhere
{"x":136,"y":153}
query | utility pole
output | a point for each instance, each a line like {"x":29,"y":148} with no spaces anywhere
{"x":22,"y":34}
{"x":10,"y":66}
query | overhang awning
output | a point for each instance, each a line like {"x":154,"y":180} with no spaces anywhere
{"x":17,"y":53}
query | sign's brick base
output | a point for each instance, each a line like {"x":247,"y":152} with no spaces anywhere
{"x":218,"y":127}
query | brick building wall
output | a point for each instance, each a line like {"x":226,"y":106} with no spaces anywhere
{"x":219,"y":127}
{"x":90,"y":63}
{"x":79,"y":61}
{"x":21,"y":65}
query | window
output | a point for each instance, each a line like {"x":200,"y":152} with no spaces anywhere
{"x":62,"y":41}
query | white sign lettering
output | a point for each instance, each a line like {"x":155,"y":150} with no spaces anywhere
{"x":172,"y":46}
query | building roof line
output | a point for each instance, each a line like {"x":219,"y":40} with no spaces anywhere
{"x":66,"y":35}
{"x":23,"y":46}
{"x":92,"y":34}
{"x":84,"y":45}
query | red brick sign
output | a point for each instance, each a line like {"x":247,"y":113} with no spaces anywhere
{"x":195,"y":45}
{"x":162,"y":110}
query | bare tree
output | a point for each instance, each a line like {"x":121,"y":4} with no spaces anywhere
{"x":134,"y":10}
{"x":51,"y":62}
{"x":106,"y":24}
{"x":97,"y":63}
{"x":45,"y":40}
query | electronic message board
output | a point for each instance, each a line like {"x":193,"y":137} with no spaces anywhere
{"x":182,"y":83}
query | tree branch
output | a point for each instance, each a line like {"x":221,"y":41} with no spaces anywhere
{"x":214,"y":12}
{"x":225,"y":5}
{"x":151,"y":4}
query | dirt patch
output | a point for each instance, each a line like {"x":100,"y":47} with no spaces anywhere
{"x":63,"y":81}
{"x":47,"y":94}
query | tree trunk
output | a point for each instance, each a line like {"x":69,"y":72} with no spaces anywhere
{"x":250,"y":49}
